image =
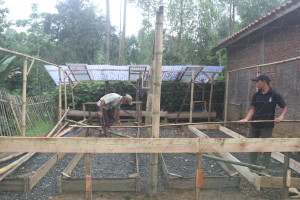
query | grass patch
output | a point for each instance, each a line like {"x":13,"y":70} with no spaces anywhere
{"x":39,"y":128}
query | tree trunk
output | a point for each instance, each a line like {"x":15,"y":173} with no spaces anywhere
{"x":107,"y":34}
{"x":122,"y":42}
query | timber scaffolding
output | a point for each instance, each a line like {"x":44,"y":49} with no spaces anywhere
{"x":153,"y":144}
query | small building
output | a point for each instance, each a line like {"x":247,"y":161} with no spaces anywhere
{"x":270,"y":45}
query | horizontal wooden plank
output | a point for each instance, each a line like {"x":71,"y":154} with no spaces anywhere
{"x":101,"y":185}
{"x":277,"y":182}
{"x":42,"y":171}
{"x":276,"y":155}
{"x":13,"y":185}
{"x":147,"y":145}
{"x":128,"y":113}
{"x":209,"y":182}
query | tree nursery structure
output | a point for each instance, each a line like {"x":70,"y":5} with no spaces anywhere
{"x":199,"y":144}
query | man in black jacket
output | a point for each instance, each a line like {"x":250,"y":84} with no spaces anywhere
{"x":263,"y":106}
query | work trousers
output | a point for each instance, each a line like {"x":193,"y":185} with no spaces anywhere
{"x":260,"y":133}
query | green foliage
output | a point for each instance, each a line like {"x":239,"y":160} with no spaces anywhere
{"x":251,"y":10}
{"x":3,"y":23}
{"x":77,"y":31}
{"x":39,"y":128}
{"x":6,"y":68}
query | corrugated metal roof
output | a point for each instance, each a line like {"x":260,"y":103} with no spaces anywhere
{"x":262,"y":21}
{"x":82,"y":72}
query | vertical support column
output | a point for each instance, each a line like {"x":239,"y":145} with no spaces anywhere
{"x":148,"y":118}
{"x":199,"y":176}
{"x":65,"y":92}
{"x":192,"y":97}
{"x":158,"y":50}
{"x":226,"y":98}
{"x":24,"y":92}
{"x":138,"y":106}
{"x":84,"y":109}
{"x":286,"y":176}
{"x":88,"y":177}
{"x":72,"y":91}
{"x":210,"y":96}
{"x":59,"y":95}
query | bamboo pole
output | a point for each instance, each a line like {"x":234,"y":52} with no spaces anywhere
{"x":185,"y":124}
{"x":226,"y":97}
{"x":192,"y":97}
{"x":26,"y":56}
{"x":6,"y":158}
{"x":183,"y":101}
{"x":30,"y":67}
{"x":65,"y":92}
{"x":267,"y":64}
{"x":58,"y":123}
{"x":59,"y":96}
{"x":210,"y":97}
{"x":138,"y":106}
{"x":72,"y":92}
{"x":23,"y":128}
{"x":158,"y":50}
{"x":233,"y":162}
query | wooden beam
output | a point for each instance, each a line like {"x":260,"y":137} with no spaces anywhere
{"x":100,"y":185}
{"x":147,"y":145}
{"x":208,"y":183}
{"x":275,"y":155}
{"x":276,"y":182}
{"x":244,"y":171}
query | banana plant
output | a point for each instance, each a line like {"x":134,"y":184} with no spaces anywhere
{"x":6,"y":69}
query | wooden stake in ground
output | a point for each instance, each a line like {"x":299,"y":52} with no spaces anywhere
{"x":23,"y":128}
{"x":88,"y":177}
{"x":199,"y":176}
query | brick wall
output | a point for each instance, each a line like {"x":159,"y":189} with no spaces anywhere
{"x":278,"y":41}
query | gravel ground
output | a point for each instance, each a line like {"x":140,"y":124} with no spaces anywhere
{"x":121,"y":165}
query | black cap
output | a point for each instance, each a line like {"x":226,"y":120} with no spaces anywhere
{"x":262,"y":77}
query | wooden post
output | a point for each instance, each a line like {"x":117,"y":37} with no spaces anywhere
{"x":65,"y":92}
{"x":59,"y":95}
{"x":88,"y":177}
{"x":210,"y":96}
{"x":148,"y":118}
{"x":158,"y":50}
{"x":199,"y":176}
{"x":84,"y":109}
{"x":226,"y":98}
{"x":192,"y":97}
{"x":138,"y":106}
{"x":23,"y":128}
{"x":183,"y":101}
{"x":72,"y":91}
{"x":106,"y":87}
{"x":286,"y":176}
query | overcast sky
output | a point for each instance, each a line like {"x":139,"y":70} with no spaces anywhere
{"x":21,"y":9}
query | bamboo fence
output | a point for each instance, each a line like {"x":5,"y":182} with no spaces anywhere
{"x":39,"y":110}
